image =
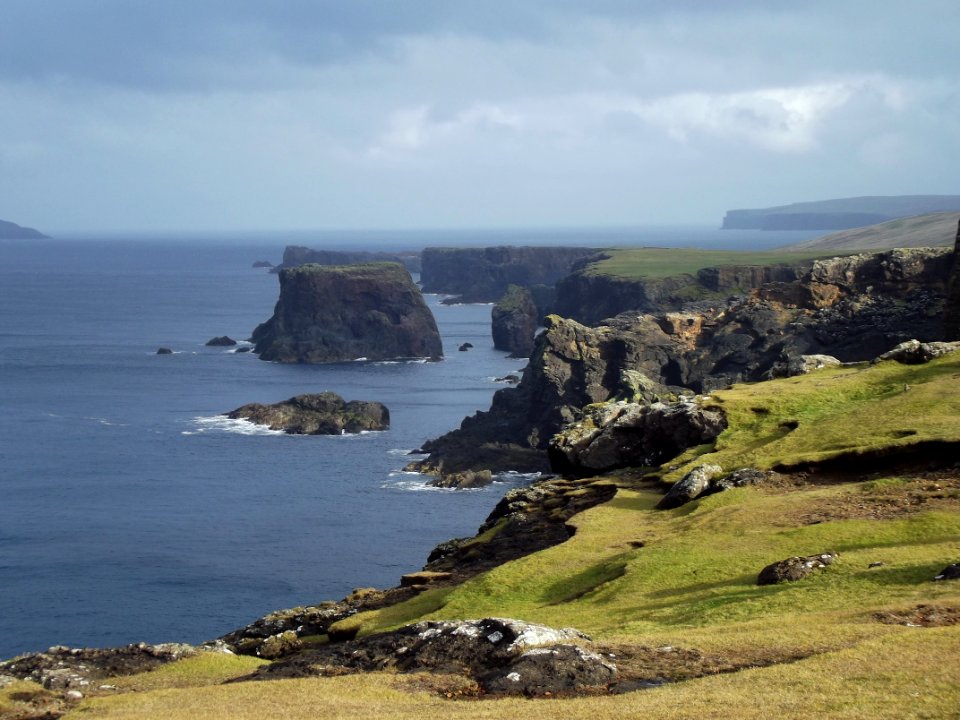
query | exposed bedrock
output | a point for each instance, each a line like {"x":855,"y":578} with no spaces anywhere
{"x":951,"y":310}
{"x":850,"y":308}
{"x":484,"y":274}
{"x":296,"y":255}
{"x":319,"y":414}
{"x":514,"y":321}
{"x":338,"y":313}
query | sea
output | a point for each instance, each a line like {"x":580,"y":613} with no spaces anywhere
{"x":132,"y":510}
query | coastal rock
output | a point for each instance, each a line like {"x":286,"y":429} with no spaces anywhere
{"x":465,"y":346}
{"x":504,"y":656}
{"x":463,"y":480}
{"x":514,"y":322}
{"x":337,"y":313}
{"x":319,"y":414}
{"x":484,"y":274}
{"x":856,"y":309}
{"x":164,"y":351}
{"x":62,"y":668}
{"x":794,"y":568}
{"x":621,"y":434}
{"x":221,"y":341}
{"x":951,"y":309}
{"x":262,"y":264}
{"x":914,"y":352}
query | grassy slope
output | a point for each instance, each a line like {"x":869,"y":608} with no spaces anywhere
{"x":934,"y":230}
{"x":691,"y":585}
{"x":652,"y":263}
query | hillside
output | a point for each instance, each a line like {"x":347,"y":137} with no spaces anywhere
{"x":671,"y":596}
{"x":839,"y":214}
{"x":12,"y":231}
{"x":932,"y":230}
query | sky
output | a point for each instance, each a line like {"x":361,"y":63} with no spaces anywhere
{"x":399,"y":114}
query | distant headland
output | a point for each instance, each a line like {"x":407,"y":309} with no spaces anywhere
{"x":12,"y":231}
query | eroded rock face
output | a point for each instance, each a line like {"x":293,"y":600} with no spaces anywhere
{"x":855,"y":309}
{"x":514,"y":322}
{"x":319,"y":414}
{"x":502,"y":655}
{"x":333,"y":314}
{"x":794,"y":568}
{"x":617,"y":435}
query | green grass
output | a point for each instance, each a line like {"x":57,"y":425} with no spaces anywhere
{"x":652,"y":263}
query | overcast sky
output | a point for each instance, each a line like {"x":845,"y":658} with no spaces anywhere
{"x":314,"y":114}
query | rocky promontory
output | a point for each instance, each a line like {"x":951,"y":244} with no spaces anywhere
{"x":319,"y":414}
{"x":297,"y":255}
{"x":12,"y":231}
{"x":514,"y":321}
{"x":484,"y":274}
{"x":339,"y":313}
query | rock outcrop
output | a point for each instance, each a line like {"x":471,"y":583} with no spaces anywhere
{"x":318,"y":414}
{"x":514,"y":322}
{"x":484,"y":274}
{"x":794,"y":568}
{"x":621,"y":434}
{"x":951,"y":310}
{"x":297,"y":255}
{"x":914,"y":352}
{"x":503,"y":656}
{"x":337,"y":313}
{"x":221,"y":341}
{"x":709,"y":479}
{"x":851,"y":308}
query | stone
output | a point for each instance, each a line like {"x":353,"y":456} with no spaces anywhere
{"x":694,"y":484}
{"x":793,"y":365}
{"x":353,"y":312}
{"x":279,"y":645}
{"x":164,"y":351}
{"x":794,"y":568}
{"x":463,"y":480}
{"x":914,"y":352}
{"x":221,"y":341}
{"x":552,"y":670}
{"x":466,"y":346}
{"x":424,"y":577}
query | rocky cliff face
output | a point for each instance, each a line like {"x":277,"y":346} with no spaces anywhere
{"x":951,"y":311}
{"x":514,"y":321}
{"x":590,"y":298}
{"x":333,"y":314}
{"x":483,"y":274}
{"x":296,"y":255}
{"x":852,"y":308}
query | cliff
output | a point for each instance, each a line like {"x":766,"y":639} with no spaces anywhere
{"x":483,"y":274}
{"x":514,"y":321}
{"x":337,"y":313}
{"x":853,"y":308}
{"x":951,"y":311}
{"x":12,"y":231}
{"x":295,"y":255}
{"x":933,"y":230}
{"x":839,"y":214}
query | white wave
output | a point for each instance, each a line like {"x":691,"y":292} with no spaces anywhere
{"x":104,"y":421}
{"x":405,"y":452}
{"x":223,"y":424}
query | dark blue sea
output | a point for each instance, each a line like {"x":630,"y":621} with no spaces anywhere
{"x":130,"y":510}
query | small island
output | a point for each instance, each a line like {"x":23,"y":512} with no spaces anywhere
{"x":12,"y":231}
{"x":332,"y":313}
{"x":323,"y":413}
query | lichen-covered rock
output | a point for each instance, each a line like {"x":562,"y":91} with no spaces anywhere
{"x":319,"y":414}
{"x":280,"y":645}
{"x":689,"y":487}
{"x":914,"y":352}
{"x":551,"y":670}
{"x":337,"y":313}
{"x":514,"y":322}
{"x":621,"y":434}
{"x":793,"y":365}
{"x":463,"y":480}
{"x":794,"y":568}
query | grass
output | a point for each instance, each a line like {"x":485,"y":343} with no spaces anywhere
{"x":652,"y":262}
{"x":635,"y":576}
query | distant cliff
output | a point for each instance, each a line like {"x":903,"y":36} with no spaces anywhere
{"x":484,"y":274}
{"x":337,"y":313}
{"x":295,"y":255}
{"x":839,"y":214}
{"x":12,"y":231}
{"x":932,"y":230}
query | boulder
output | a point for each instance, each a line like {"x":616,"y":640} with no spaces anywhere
{"x":320,"y":414}
{"x":793,"y":365}
{"x":331,"y":313}
{"x":794,"y":568}
{"x":621,"y":434}
{"x":514,"y":322}
{"x":164,"y":351}
{"x":694,"y":484}
{"x":914,"y":352}
{"x":465,"y":346}
{"x":463,"y":480}
{"x":221,"y":341}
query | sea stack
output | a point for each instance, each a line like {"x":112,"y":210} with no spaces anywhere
{"x":329,"y":313}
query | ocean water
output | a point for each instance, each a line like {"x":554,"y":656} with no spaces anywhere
{"x":129,"y":510}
